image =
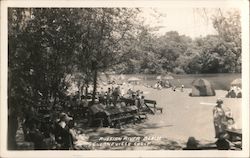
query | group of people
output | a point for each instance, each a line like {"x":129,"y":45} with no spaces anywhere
{"x":67,"y":135}
{"x":59,"y":126}
{"x":137,"y":96}
{"x":234,"y":92}
{"x":166,"y":84}
{"x":223,"y":121}
{"x":109,"y":97}
{"x":59,"y":133}
{"x":114,"y":95}
{"x":162,"y":84}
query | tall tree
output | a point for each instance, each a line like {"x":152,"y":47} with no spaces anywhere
{"x":103,"y":33}
{"x":228,"y":26}
{"x":40,"y":50}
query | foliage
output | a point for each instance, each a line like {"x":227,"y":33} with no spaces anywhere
{"x":40,"y":54}
{"x":47,"y":45}
{"x":180,"y":54}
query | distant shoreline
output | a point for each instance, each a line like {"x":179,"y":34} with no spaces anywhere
{"x":220,"y":81}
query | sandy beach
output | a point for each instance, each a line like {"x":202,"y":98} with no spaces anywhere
{"x":183,"y":116}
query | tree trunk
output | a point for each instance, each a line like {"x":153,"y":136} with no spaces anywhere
{"x":86,"y":89}
{"x":12,"y":129}
{"x":94,"y":83}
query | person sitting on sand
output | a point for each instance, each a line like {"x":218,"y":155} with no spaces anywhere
{"x":192,"y":144}
{"x":231,"y":93}
{"x":174,"y":88}
{"x":239,"y":95}
{"x":159,"y":87}
{"x":222,"y":143}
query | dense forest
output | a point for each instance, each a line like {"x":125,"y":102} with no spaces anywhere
{"x":177,"y":53}
{"x":45,"y":45}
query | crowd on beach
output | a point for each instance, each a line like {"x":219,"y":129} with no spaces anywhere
{"x":234,"y":92}
{"x":57,"y":125}
{"x":60,"y":130}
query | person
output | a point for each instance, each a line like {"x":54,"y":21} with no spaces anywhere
{"x":122,"y":92}
{"x":36,"y":136}
{"x":232,"y":94}
{"x":229,"y":118}
{"x":222,"y":143}
{"x":130,"y":92}
{"x":30,"y":118}
{"x":115,"y":95}
{"x":69,"y":103}
{"x":62,"y":134}
{"x":159,"y":87}
{"x":80,"y":140}
{"x":101,"y":96}
{"x":108,"y":97}
{"x":182,"y":88}
{"x":192,"y":144}
{"x":137,"y":101}
{"x":142,"y":102}
{"x":231,"y":124}
{"x":220,"y":122}
{"x":239,"y":95}
{"x":174,"y":88}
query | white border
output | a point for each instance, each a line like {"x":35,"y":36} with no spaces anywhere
{"x":243,"y":4}
{"x":125,"y":3}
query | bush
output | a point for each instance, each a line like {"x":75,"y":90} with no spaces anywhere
{"x":178,"y":70}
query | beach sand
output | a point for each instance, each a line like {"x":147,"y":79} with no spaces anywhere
{"x":183,"y":116}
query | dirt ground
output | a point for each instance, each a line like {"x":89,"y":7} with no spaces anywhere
{"x":183,"y":116}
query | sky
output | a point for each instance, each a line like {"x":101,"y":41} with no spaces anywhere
{"x":187,"y":21}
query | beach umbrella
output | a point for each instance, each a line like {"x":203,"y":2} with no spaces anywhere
{"x":168,"y":77}
{"x":202,"y":87}
{"x":236,"y":82}
{"x":121,"y":77}
{"x":158,"y":77}
{"x":133,"y":79}
{"x":103,"y":78}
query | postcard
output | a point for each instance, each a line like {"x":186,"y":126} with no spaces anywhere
{"x":124,"y":78}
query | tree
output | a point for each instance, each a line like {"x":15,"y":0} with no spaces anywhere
{"x":170,"y":48}
{"x":41,"y":42}
{"x":18,"y":91}
{"x":226,"y":46}
{"x":228,"y":27}
{"x":104,"y":31}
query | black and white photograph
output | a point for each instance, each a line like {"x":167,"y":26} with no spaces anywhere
{"x":125,"y":78}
